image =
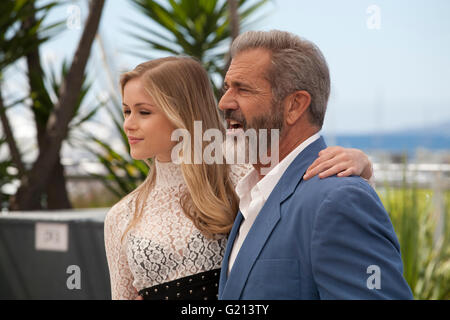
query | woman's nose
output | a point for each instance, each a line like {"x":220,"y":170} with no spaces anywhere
{"x":129,"y":123}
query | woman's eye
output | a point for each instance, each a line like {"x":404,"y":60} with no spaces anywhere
{"x":144,"y":113}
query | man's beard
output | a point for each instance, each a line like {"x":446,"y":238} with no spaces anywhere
{"x":272,"y":121}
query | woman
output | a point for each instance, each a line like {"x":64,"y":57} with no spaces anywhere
{"x":166,"y":239}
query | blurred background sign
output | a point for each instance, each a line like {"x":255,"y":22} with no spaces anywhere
{"x":48,"y":255}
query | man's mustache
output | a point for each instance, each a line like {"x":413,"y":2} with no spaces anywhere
{"x":236,"y":116}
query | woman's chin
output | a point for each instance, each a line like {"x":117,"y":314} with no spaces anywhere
{"x":137,"y":156}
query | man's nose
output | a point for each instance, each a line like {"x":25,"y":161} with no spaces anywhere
{"x":228,"y":101}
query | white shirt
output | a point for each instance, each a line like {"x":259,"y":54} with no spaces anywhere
{"x":253,"y":194}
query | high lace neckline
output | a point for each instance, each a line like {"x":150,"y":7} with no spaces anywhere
{"x":168,"y":174}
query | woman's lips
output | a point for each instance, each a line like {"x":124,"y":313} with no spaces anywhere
{"x":134,"y":140}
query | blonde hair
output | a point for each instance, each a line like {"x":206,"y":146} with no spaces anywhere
{"x":181,"y":88}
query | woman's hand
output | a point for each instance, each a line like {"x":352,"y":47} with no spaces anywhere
{"x":139,"y":297}
{"x":341,"y":161}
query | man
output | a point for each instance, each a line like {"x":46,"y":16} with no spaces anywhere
{"x":295,"y":238}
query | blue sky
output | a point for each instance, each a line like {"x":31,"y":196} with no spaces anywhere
{"x":392,"y":78}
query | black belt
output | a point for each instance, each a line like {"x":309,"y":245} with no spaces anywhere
{"x":200,"y":286}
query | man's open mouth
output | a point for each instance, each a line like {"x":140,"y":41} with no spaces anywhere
{"x":234,"y":125}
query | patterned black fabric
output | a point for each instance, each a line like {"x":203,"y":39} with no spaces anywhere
{"x":200,"y":286}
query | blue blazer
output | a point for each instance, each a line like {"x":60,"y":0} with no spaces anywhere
{"x":317,"y":239}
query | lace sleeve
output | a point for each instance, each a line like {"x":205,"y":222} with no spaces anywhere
{"x":119,"y":271}
{"x":238,"y":171}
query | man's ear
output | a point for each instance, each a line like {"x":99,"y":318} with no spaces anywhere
{"x":296,"y":106}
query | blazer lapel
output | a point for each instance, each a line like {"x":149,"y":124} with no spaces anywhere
{"x":296,"y":170}
{"x":231,"y":287}
{"x":226,"y":258}
{"x":252,"y":246}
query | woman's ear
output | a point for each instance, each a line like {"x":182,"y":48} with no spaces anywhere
{"x":297,"y":104}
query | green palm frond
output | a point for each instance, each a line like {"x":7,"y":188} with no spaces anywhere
{"x":16,"y":41}
{"x":190,"y":27}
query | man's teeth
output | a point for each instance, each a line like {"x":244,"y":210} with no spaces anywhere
{"x":235,"y":125}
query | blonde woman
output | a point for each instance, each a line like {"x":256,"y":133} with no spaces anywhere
{"x":166,"y":239}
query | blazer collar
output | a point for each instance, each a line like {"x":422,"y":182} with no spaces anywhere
{"x":295,"y":172}
{"x":231,"y":287}
{"x":264,"y":223}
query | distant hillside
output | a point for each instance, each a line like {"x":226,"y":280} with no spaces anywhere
{"x":439,"y":129}
{"x":432,"y":138}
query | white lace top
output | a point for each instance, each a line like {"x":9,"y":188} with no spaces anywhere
{"x":164,"y":245}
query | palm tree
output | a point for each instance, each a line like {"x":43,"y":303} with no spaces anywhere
{"x":56,"y":192}
{"x":16,"y":42}
{"x":34,"y":184}
{"x":234,"y":27}
{"x":234,"y":18}
{"x":42,"y":105}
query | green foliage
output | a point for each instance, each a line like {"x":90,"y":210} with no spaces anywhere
{"x":52,"y":89}
{"x":197,"y":28}
{"x":92,"y":195}
{"x":16,"y":41}
{"x":426,"y":259}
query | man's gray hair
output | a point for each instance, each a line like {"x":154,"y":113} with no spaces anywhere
{"x":297,"y":64}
